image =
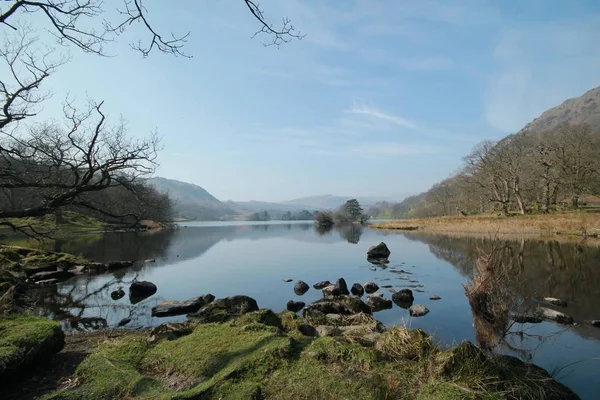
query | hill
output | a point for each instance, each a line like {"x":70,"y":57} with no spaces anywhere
{"x":193,"y":201}
{"x":332,"y":202}
{"x":582,"y":109}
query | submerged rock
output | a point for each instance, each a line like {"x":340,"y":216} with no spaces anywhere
{"x":295,"y":306}
{"x":379,"y":251}
{"x":378,"y":261}
{"x":371,"y":287}
{"x":529,"y":319}
{"x":555,"y":302}
{"x":117,"y":294}
{"x":114,"y":265}
{"x":287,"y":280}
{"x":172,"y":307}
{"x":341,"y":286}
{"x":357,"y":290}
{"x":124,"y":322}
{"x":553,"y":315}
{"x":403,"y":298}
{"x":373,"y":268}
{"x":301,"y":287}
{"x":378,"y":302}
{"x":321,"y":285}
{"x":435,"y":297}
{"x":418,"y":310}
{"x":595,"y":323}
{"x":223,"y":309}
{"x":46,"y":275}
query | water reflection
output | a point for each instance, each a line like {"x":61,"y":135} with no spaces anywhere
{"x":349,"y":232}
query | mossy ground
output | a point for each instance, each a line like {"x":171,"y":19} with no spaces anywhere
{"x":253,"y":358}
{"x":70,"y":223}
{"x":24,"y":337}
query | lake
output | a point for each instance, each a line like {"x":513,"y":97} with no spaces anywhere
{"x":228,"y":258}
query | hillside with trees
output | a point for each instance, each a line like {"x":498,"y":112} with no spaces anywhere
{"x":552,"y":163}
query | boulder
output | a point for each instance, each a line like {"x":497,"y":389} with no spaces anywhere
{"x":171,"y":307}
{"x":321,"y":285}
{"x":436,"y":297}
{"x":522,"y":319}
{"x":331,"y":290}
{"x":371,"y":287}
{"x":595,"y":323}
{"x":378,"y":303}
{"x":307,"y":330}
{"x":357,"y":290}
{"x":58,"y":275}
{"x":224,"y":309}
{"x":342,"y":304}
{"x":140,"y":290}
{"x":114,"y":265}
{"x":553,"y":315}
{"x":418,"y":310}
{"x":325,"y":330}
{"x":117,"y":294}
{"x":170,"y":331}
{"x":555,"y":302}
{"x":403,"y":298}
{"x":379,"y":251}
{"x":295,"y":306}
{"x":341,"y":286}
{"x":301,"y":287}
{"x":287,"y":280}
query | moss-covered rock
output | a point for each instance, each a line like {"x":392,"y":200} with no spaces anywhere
{"x":26,"y":341}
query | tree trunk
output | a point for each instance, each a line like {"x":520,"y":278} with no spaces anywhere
{"x":575,"y":201}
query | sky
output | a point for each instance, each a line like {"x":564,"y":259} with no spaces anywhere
{"x":380,"y":98}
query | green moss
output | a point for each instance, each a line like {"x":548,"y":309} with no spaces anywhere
{"x":72,"y":222}
{"x":333,"y":350}
{"x":25,"y":339}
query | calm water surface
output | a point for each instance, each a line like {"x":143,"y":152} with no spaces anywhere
{"x":228,"y":258}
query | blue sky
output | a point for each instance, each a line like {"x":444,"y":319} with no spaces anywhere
{"x":379,"y":98}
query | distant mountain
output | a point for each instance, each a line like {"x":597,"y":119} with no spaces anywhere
{"x":257,"y":206}
{"x":331,"y":202}
{"x":193,"y":201}
{"x":584,"y":109}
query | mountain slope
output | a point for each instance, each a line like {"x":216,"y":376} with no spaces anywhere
{"x":193,"y":201}
{"x":585,"y":109}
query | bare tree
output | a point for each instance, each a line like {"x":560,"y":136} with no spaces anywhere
{"x":72,"y":21}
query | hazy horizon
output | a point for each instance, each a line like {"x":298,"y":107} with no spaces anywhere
{"x":379,"y":98}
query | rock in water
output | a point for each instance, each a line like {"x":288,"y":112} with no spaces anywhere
{"x":117,"y":294}
{"x":436,"y":297}
{"x":378,"y":252}
{"x":321,"y":285}
{"x":403,"y":298}
{"x":287,"y":279}
{"x":378,"y":303}
{"x":341,"y":286}
{"x":371,"y":287}
{"x":301,"y":287}
{"x":556,"y":302}
{"x":124,"y":322}
{"x":140,"y":290}
{"x":595,"y":323}
{"x":553,"y":315}
{"x":418,"y":310}
{"x":529,"y":319}
{"x":114,"y":265}
{"x":224,"y":309}
{"x":170,"y":307}
{"x":295,"y":306}
{"x":357,"y":290}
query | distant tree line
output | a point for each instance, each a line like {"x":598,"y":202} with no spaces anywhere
{"x":522,"y":173}
{"x":348,"y":213}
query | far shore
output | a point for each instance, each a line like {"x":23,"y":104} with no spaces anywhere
{"x":569,"y":225}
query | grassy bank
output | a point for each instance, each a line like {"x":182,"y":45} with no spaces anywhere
{"x":70,"y":223}
{"x":564,"y":224}
{"x":249,"y":359}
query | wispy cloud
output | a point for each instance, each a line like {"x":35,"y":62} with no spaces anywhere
{"x":373,"y":112}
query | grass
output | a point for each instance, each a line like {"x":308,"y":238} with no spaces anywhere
{"x":251,"y":358}
{"x":72,"y":222}
{"x":567,"y":224}
{"x":24,"y":339}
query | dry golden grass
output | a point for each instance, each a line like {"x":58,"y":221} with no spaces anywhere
{"x":568,"y":224}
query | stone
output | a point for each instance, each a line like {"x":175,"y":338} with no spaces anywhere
{"x":529,"y":319}
{"x":373,"y":268}
{"x":418,"y":310}
{"x":595,"y":323}
{"x":301,"y":287}
{"x":140,"y":290}
{"x":117,"y":294}
{"x":321,"y":285}
{"x":295,"y":306}
{"x":47,"y":282}
{"x":371,"y":287}
{"x":553,"y":315}
{"x":150,"y":260}
{"x":379,"y":251}
{"x":58,"y":275}
{"x":114,"y":265}
{"x":341,"y":286}
{"x":435,"y":297}
{"x":331,"y":290}
{"x":170,"y":331}
{"x":378,"y":303}
{"x":307,"y":330}
{"x":357,"y":290}
{"x":325,"y":330}
{"x":224,"y":309}
{"x":172,"y":307}
{"x":124,"y":322}
{"x":341,"y":304}
{"x":287,"y":280}
{"x":404,"y":298}
{"x":555,"y":302}
{"x":334,"y":317}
